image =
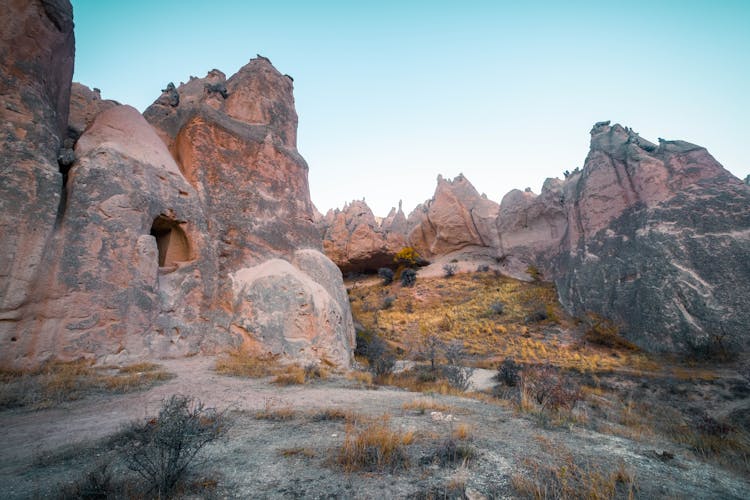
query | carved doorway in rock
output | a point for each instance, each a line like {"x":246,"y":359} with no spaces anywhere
{"x":171,"y":241}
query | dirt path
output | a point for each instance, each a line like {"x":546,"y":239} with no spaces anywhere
{"x":252,"y":463}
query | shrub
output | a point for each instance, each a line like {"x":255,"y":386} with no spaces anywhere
{"x":449,"y":270}
{"x":379,"y":356}
{"x":549,"y":388}
{"x":451,"y":452}
{"x":374,"y":448}
{"x":497,"y":307}
{"x":429,"y":348}
{"x":408,"y":257}
{"x":363,"y":338}
{"x":386,"y":274}
{"x":388,"y":302}
{"x":454,"y":351}
{"x":508,"y":372}
{"x":483,"y":268}
{"x":163,"y":448}
{"x":459,"y":377}
{"x":408,"y":277}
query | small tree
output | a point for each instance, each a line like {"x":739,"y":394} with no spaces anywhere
{"x":386,"y":274}
{"x":430,"y":348}
{"x":408,"y":277}
{"x":407,"y":257}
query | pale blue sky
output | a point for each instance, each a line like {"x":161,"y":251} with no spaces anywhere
{"x":392,"y":93}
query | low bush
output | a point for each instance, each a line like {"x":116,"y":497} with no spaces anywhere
{"x":497,"y":308}
{"x":379,"y":356}
{"x":375,"y":447}
{"x":508,"y":372}
{"x":408,"y":277}
{"x":386,"y":274}
{"x":388,"y":302}
{"x":601,"y":331}
{"x":449,"y":270}
{"x":459,"y":377}
{"x":162,"y":449}
{"x":549,"y":388}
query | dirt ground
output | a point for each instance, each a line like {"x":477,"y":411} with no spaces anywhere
{"x":46,"y":448}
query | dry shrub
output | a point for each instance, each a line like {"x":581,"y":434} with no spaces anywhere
{"x":462,"y":431}
{"x":374,"y":447}
{"x":364,"y":378}
{"x":563,"y":478}
{"x":244,"y":363}
{"x":162,"y":449}
{"x":291,"y":375}
{"x":450,"y":452}
{"x":549,"y":388}
{"x":421,"y":405}
{"x":335,"y":414}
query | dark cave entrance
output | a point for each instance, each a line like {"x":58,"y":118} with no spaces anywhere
{"x":171,"y":241}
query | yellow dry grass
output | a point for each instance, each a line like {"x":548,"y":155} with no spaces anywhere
{"x":58,"y":381}
{"x":422,"y":405}
{"x":464,"y":307}
{"x":374,"y":446}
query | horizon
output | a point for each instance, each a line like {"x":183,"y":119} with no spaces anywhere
{"x":503,"y":93}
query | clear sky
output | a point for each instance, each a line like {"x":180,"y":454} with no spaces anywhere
{"x":392,"y":93}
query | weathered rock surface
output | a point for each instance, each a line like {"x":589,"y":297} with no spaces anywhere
{"x":456,"y":217}
{"x":659,"y":241}
{"x":353,"y":239}
{"x":85,"y":106}
{"x":193,"y":236}
{"x":34,"y":94}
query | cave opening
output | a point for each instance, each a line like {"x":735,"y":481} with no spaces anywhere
{"x":171,"y":241}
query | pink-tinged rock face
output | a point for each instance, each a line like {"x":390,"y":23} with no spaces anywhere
{"x":354,"y":240}
{"x":456,"y":217}
{"x":34,"y":93}
{"x":85,"y":105}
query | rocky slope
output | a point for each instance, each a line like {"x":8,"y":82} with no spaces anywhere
{"x":191,"y":233}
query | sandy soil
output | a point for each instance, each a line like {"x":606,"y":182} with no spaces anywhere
{"x":42,"y":449}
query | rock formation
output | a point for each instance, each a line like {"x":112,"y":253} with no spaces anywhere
{"x":354,"y":240}
{"x":658,"y":240}
{"x":34,"y":96}
{"x":192,"y":233}
{"x":456,"y":217}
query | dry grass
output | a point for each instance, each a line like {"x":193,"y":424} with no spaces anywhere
{"x":291,"y":375}
{"x":335,"y":414}
{"x":464,"y":308}
{"x":56,"y":381}
{"x":421,"y":405}
{"x":564,"y":478}
{"x":297,"y":452}
{"x":374,"y":446}
{"x":276,"y":411}
{"x":363,"y":378}
{"x":462,"y":431}
{"x":245,"y":363}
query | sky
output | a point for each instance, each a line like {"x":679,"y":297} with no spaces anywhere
{"x":392,"y":93}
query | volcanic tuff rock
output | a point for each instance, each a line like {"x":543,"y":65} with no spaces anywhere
{"x":658,"y":240}
{"x":354,"y":240}
{"x":85,"y":106}
{"x":191,"y":235}
{"x":34,"y":94}
{"x":457,"y":216}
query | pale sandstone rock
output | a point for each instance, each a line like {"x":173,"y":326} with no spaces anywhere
{"x":34,"y":95}
{"x":456,"y":217}
{"x":353,"y":239}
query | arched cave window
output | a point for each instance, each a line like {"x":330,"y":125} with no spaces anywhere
{"x":171,"y":241}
